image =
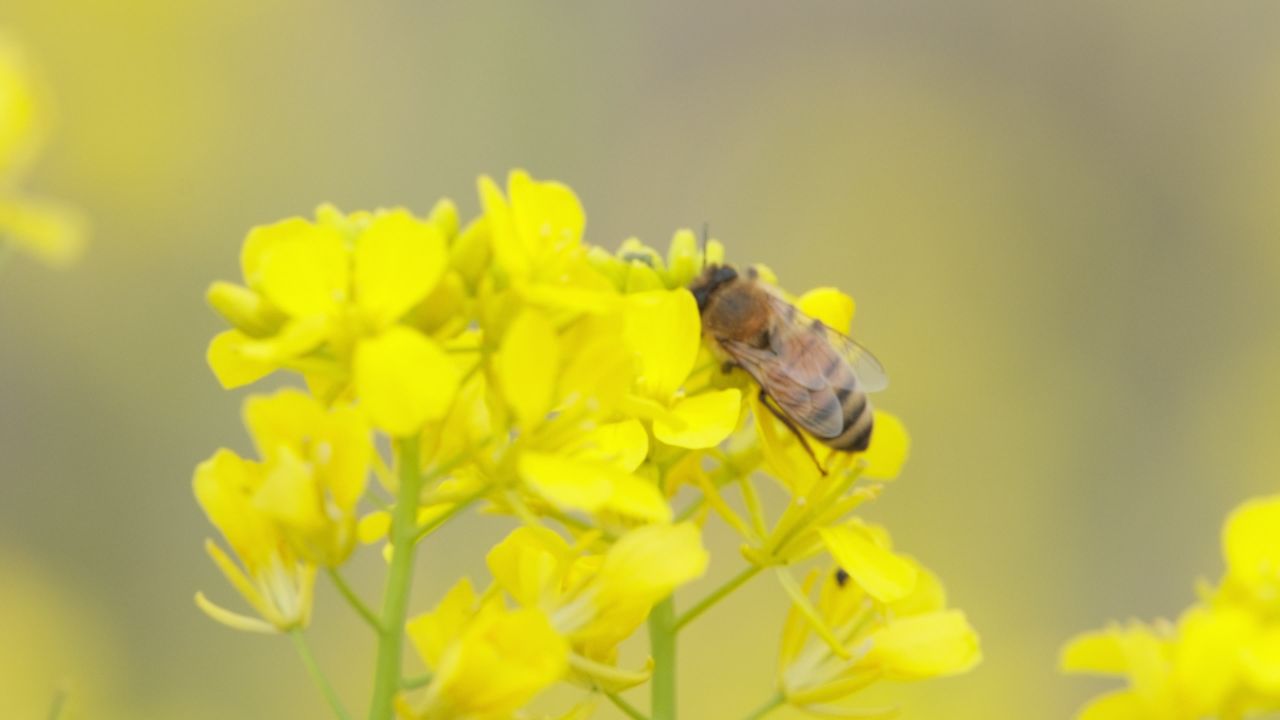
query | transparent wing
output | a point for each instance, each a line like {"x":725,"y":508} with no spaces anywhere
{"x":814,"y":347}
{"x":817,"y":410}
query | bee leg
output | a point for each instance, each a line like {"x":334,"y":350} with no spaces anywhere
{"x":764,"y":400}
{"x":728,"y":366}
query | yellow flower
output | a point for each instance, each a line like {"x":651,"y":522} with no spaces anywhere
{"x":327,"y":297}
{"x":1251,"y":547}
{"x":597,"y":601}
{"x":848,"y":640}
{"x":315,"y":464}
{"x":1221,"y":659}
{"x":536,"y":230}
{"x":1143,"y":653}
{"x":486,"y":661}
{"x":49,"y":230}
{"x":271,"y":576}
{"x":664,"y":331}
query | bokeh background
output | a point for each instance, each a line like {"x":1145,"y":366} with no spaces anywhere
{"x":1061,"y":223}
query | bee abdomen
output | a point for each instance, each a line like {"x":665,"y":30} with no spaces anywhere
{"x":858,"y":419}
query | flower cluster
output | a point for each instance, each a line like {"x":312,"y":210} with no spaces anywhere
{"x":504,"y":364}
{"x":1222,"y":656}
{"x":47,"y":229}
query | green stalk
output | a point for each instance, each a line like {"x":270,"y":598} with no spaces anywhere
{"x":395,"y":601}
{"x":353,"y":599}
{"x":662,"y":644}
{"x":769,"y":706}
{"x":719,"y":594}
{"x":308,"y":659}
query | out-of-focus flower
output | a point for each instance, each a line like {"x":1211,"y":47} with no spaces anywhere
{"x":44,"y":228}
{"x":486,"y":661}
{"x":1222,"y":657}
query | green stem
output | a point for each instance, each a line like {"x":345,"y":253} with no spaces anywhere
{"x":627,"y":708}
{"x":354,"y":600}
{"x":308,"y":659}
{"x":395,"y":601}
{"x":662,"y":644}
{"x":769,"y":706}
{"x":719,"y":594}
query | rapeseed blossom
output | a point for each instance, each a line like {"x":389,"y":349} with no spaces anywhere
{"x":44,"y":228}
{"x":505,"y":364}
{"x":1221,"y":658}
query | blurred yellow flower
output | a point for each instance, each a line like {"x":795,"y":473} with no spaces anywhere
{"x":47,"y":229}
{"x":1221,"y":659}
{"x":487,"y":662}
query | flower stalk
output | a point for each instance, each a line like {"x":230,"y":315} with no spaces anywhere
{"x":313,"y":668}
{"x":662,"y":645}
{"x":396,"y":597}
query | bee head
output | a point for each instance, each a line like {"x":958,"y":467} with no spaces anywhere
{"x":711,"y":279}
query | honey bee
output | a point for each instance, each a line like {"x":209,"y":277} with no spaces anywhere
{"x":810,"y":376}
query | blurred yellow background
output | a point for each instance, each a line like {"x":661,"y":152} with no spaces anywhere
{"x":1061,"y":224}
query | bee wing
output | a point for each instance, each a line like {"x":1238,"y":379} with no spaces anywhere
{"x":816,"y":409}
{"x":816,"y":346}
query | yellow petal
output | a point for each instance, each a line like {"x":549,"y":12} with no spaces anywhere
{"x":307,"y":271}
{"x":1208,"y":655}
{"x":1258,"y":657}
{"x":624,"y":444}
{"x":592,"y":487}
{"x":528,"y":563}
{"x":548,"y":214}
{"x":289,"y":495}
{"x":1120,"y":705}
{"x":650,"y":562}
{"x":1251,"y":544}
{"x":922,"y":646}
{"x":260,"y":240}
{"x":701,"y":421}
{"x":444,"y":215}
{"x":664,"y":330}
{"x":884,"y":575}
{"x":230,"y":365}
{"x":832,"y":307}
{"x":527,"y":367}
{"x":283,"y":419}
{"x":509,"y":251}
{"x":889,"y":448}
{"x":499,"y":664}
{"x":433,"y":632}
{"x":403,"y":379}
{"x":1096,"y":651}
{"x":398,"y":260}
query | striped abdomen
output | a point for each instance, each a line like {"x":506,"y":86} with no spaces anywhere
{"x":858,"y":417}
